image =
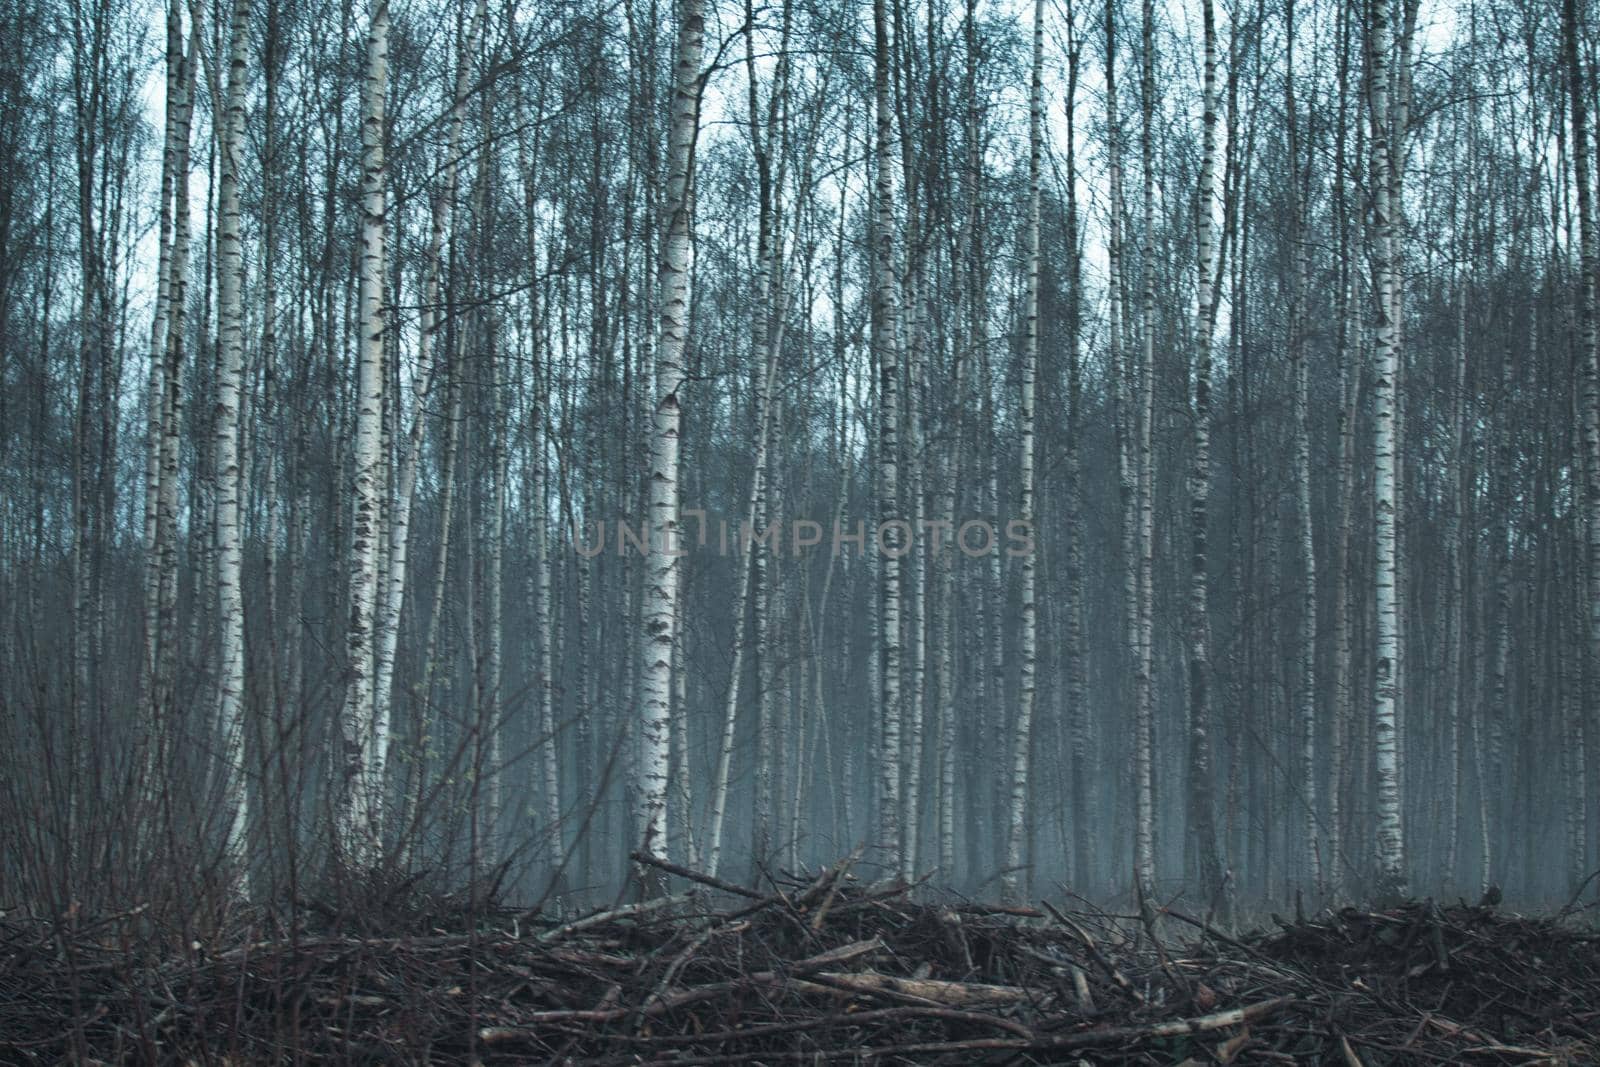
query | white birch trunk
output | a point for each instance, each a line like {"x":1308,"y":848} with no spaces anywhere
{"x":537,"y":488}
{"x":1498,"y":711}
{"x":229,"y":557}
{"x":1456,"y":609}
{"x":885,"y":312}
{"x":550,"y":757}
{"x":1202,"y":786}
{"x":156,"y":395}
{"x":1343,"y":694}
{"x":1022,"y":730}
{"x":1306,"y":693}
{"x":172,"y":410}
{"x":944,"y":654}
{"x":430,"y":321}
{"x":1588,"y":371}
{"x":1144,"y":678}
{"x":361,"y":790}
{"x":681,"y":817}
{"x":660,"y":608}
{"x":768,"y":743}
{"x":1076,"y":683}
{"x":1391,"y":841}
{"x":494,"y":698}
{"x":916,"y":622}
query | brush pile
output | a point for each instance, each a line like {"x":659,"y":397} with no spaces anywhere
{"x":823,"y":969}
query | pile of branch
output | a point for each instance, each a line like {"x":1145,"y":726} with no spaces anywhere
{"x":819,"y":969}
{"x":1460,"y":984}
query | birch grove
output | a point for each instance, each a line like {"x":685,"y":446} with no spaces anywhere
{"x":532,"y":451}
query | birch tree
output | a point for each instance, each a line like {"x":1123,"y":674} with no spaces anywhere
{"x":165,"y":384}
{"x":1391,"y":840}
{"x":885,"y":312}
{"x":1202,"y":786}
{"x":225,"y":428}
{"x":661,"y":592}
{"x":403,"y":500}
{"x":1022,"y":729}
{"x":1076,"y":683}
{"x":1144,"y":645}
{"x":361,"y":788}
{"x":537,"y":485}
{"x":1306,"y":694}
{"x":1589,"y":262}
{"x":156,"y":389}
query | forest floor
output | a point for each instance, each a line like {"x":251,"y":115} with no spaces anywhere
{"x":822,"y":969}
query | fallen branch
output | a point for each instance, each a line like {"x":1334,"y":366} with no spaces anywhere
{"x":682,"y":998}
{"x":1116,"y":976}
{"x":696,"y":876}
{"x":1116,"y":1035}
{"x":600,"y":918}
{"x":904,"y":1012}
{"x":954,"y":994}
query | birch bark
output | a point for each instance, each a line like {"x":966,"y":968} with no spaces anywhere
{"x":430,"y":322}
{"x":1588,"y":372}
{"x":890,"y":545}
{"x":230,"y":562}
{"x":1391,"y":840}
{"x":156,"y":394}
{"x":1022,"y":730}
{"x":1306,"y":692}
{"x":1144,"y":677}
{"x":661,"y":608}
{"x":361,"y":798}
{"x":1202,"y":785}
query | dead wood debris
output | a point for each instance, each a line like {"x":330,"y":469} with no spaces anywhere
{"x":823,"y":969}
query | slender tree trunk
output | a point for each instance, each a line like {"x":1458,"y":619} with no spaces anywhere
{"x":1022,"y":729}
{"x":1306,"y":691}
{"x":1121,"y":374}
{"x":916,"y":620}
{"x":1077,"y":682}
{"x":1588,"y":373}
{"x":1497,"y":711}
{"x":1342,"y":694}
{"x":1144,"y":676}
{"x":361,"y":790}
{"x":661,"y":609}
{"x":271,"y":440}
{"x":156,"y":394}
{"x":890,"y":545}
{"x":227,"y":472}
{"x":753,"y":567}
{"x":544,"y":679}
{"x":681,"y":824}
{"x":1456,"y":607}
{"x":1391,"y":840}
{"x":494,"y":584}
{"x":430,"y":321}
{"x":423,"y":740}
{"x":1202,"y":784}
{"x":164,"y":665}
{"x":1400,"y":59}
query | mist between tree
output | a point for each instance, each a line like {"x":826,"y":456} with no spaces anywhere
{"x":895,"y":538}
{"x":1151,"y":450}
